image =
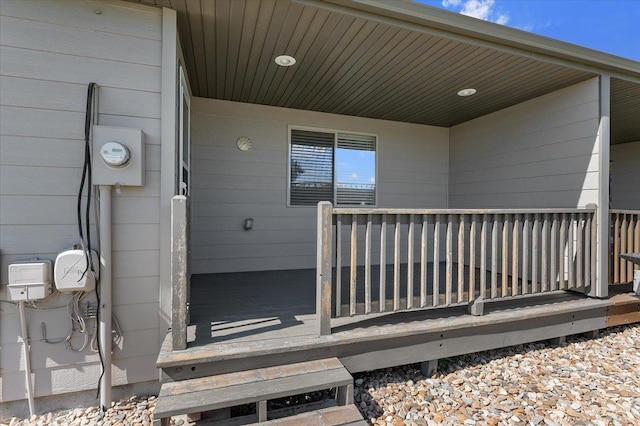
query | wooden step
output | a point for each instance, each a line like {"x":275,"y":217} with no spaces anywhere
{"x":244,"y":387}
{"x":345,"y":415}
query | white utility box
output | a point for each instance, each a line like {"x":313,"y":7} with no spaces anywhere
{"x":118,"y":156}
{"x":71,"y":271}
{"x":29,"y":280}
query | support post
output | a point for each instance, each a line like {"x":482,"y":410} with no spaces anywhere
{"x":476,"y":306}
{"x":323,"y":268}
{"x":427,"y":368}
{"x":344,"y":395}
{"x":262,"y":411}
{"x":601,"y":287}
{"x":179,"y":271}
{"x":559,"y":341}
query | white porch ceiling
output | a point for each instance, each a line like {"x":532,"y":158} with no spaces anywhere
{"x":353,"y":65}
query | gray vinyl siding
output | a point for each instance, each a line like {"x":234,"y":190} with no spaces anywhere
{"x":229,"y":185}
{"x":49,"y":52}
{"x":625,"y":176}
{"x":541,"y":153}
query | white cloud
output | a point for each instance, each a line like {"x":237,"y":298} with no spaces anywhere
{"x":372,"y":179}
{"x":502,"y":19}
{"x":354,"y":176}
{"x":480,"y":9}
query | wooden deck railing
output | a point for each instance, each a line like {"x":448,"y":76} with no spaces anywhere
{"x":386,"y":260}
{"x":625,"y":238}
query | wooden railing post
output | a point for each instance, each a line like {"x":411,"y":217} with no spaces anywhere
{"x":323,"y":268}
{"x":179,"y":271}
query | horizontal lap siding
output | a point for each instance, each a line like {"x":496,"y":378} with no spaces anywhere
{"x":625,"y":176}
{"x":541,"y":153}
{"x":48,"y":55}
{"x":538,"y":154}
{"x":229,"y":185}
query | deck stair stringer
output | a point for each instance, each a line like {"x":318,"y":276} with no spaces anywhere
{"x":257,"y":386}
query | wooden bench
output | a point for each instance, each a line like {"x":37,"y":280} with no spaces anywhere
{"x":253,"y":386}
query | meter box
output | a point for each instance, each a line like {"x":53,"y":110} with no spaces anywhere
{"x":29,"y":280}
{"x":72,"y":272}
{"x":118,"y":156}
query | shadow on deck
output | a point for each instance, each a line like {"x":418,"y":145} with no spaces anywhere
{"x":249,"y":306}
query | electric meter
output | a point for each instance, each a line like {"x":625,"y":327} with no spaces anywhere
{"x":115,"y":154}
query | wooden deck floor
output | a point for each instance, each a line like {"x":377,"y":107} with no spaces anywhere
{"x":242,"y":321}
{"x":248,"y":306}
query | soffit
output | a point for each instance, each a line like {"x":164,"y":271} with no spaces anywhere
{"x":351,"y":65}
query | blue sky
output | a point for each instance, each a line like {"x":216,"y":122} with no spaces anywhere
{"x":612,"y":26}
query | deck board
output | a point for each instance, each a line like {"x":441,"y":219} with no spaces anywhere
{"x":241,"y":321}
{"x":250,"y":306}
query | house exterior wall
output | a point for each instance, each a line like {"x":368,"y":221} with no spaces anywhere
{"x":541,"y":153}
{"x":229,"y":185}
{"x":49,"y":52}
{"x":625,"y":176}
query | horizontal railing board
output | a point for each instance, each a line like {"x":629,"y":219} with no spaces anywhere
{"x":360,"y":211}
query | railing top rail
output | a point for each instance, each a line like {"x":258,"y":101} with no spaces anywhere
{"x":360,"y":210}
{"x":618,"y":211}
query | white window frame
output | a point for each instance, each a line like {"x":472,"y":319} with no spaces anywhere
{"x":335,"y":132}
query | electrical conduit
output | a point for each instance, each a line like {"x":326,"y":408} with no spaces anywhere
{"x":27,"y":355}
{"x":104,"y":326}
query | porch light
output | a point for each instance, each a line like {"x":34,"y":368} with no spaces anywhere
{"x":285,"y":60}
{"x":467,"y":92}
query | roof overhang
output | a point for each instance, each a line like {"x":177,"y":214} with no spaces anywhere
{"x":392,"y":60}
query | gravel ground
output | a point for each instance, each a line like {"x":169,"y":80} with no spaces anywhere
{"x":583,"y":382}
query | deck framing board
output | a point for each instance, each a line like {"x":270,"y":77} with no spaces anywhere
{"x":411,"y":341}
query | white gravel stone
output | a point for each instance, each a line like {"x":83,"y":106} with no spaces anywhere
{"x":582,"y":382}
{"x":133,"y":411}
{"x":585,"y":382}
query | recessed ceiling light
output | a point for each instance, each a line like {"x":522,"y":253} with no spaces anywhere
{"x":467,"y":92}
{"x":285,"y":60}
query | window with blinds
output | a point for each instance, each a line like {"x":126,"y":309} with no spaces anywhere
{"x":330,"y":166}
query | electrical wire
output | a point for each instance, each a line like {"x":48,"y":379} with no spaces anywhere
{"x":85,"y":240}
